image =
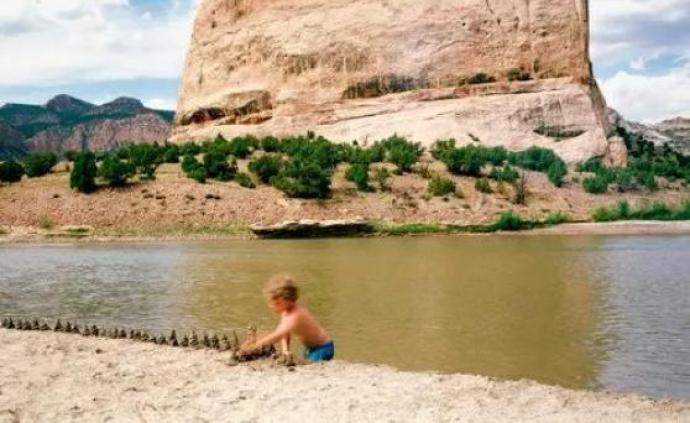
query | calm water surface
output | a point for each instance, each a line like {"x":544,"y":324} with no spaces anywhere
{"x":582,"y":312}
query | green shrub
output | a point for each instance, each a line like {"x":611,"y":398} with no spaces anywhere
{"x":266,"y":167}
{"x":11,"y":171}
{"x":442,"y":147}
{"x":303,"y":178}
{"x":439,"y":186}
{"x":171,"y":154}
{"x":645,"y":211}
{"x":190,"y":149}
{"x":198,"y":174}
{"x":270,"y":144}
{"x":480,"y":78}
{"x":494,"y":155}
{"x":510,"y":221}
{"x":218,"y":166}
{"x":245,"y":180}
{"x":518,"y":74}
{"x":465,"y":160}
{"x":483,"y":185}
{"x":382,"y":177}
{"x":39,"y":164}
{"x":649,"y":181}
{"x":504,"y":174}
{"x":595,"y":185}
{"x":145,"y":158}
{"x":556,"y":218}
{"x":190,"y":163}
{"x":556,"y":172}
{"x":401,"y":152}
{"x":115,"y":171}
{"x":242,"y":147}
{"x":359,"y":174}
{"x":83,"y":174}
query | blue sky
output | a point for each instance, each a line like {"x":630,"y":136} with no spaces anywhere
{"x":101,"y":49}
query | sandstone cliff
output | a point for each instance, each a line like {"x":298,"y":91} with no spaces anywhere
{"x":507,"y":72}
{"x":67,"y":123}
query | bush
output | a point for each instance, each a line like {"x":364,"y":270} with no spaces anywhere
{"x":171,"y":154}
{"x":441,"y":148}
{"x":595,"y":185}
{"x":359,"y":174}
{"x":504,"y":174}
{"x":646,"y":211}
{"x":11,"y":171}
{"x":266,"y":167}
{"x":401,"y":152}
{"x":242,"y":147}
{"x":464,"y":161}
{"x":509,"y":221}
{"x":303,"y":178}
{"x":245,"y":180}
{"x":270,"y":144}
{"x":382,"y":177}
{"x":189,"y":163}
{"x":480,"y":78}
{"x":556,"y":172}
{"x":218,"y":167}
{"x":520,"y":191}
{"x":190,"y":149}
{"x":115,"y":171}
{"x":39,"y":164}
{"x":83,"y":175}
{"x":518,"y":74}
{"x":439,"y":186}
{"x":70,"y":155}
{"x":198,"y":174}
{"x":483,"y":185}
{"x":556,"y":218}
{"x":145,"y":158}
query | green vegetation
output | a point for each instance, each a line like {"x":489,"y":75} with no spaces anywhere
{"x":244,"y":180}
{"x":116,"y":171}
{"x":218,"y":166}
{"x":541,"y":160}
{"x":440,"y":186}
{"x":518,"y":74}
{"x":11,"y":171}
{"x":483,"y":185}
{"x":304,"y":178}
{"x":645,"y":211}
{"x":84,"y":171}
{"x":480,"y":78}
{"x":379,"y":86}
{"x":401,"y":152}
{"x":266,"y":167}
{"x":359,"y":174}
{"x":595,"y":184}
{"x":145,"y":159}
{"x":556,"y":218}
{"x":39,"y":164}
{"x":504,"y":174}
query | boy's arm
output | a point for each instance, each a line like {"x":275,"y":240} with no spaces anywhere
{"x":283,"y":330}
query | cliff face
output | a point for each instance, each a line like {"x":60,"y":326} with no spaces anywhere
{"x":67,"y":123}
{"x":509,"y":72}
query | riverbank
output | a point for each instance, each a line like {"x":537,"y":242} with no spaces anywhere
{"x":50,"y":377}
{"x":153,"y":233}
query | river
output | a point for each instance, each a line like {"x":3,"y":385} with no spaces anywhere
{"x":589,"y":312}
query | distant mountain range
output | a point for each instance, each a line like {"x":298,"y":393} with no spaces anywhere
{"x":68,"y":123}
{"x":674,"y":132}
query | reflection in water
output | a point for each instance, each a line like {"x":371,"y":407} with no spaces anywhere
{"x":565,"y":310}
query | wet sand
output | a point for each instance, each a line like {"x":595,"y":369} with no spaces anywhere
{"x":46,"y":376}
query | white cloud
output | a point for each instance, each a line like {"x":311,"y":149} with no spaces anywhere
{"x":67,"y":41}
{"x":642,"y":48}
{"x":161,"y":103}
{"x":648,"y":98}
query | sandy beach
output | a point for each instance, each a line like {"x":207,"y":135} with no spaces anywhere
{"x":51,"y":377}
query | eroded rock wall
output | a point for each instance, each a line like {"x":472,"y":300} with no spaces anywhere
{"x":506,"y":72}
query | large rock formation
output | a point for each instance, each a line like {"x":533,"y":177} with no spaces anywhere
{"x":507,"y":72}
{"x":67,"y":123}
{"x":672,"y":132}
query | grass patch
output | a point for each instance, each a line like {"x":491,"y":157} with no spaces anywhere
{"x":182,"y":231}
{"x":646,"y":210}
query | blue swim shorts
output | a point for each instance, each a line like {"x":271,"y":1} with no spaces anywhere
{"x":323,"y":352}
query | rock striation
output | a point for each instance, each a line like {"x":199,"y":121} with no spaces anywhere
{"x":67,"y":123}
{"x":514,"y":73}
